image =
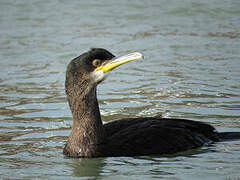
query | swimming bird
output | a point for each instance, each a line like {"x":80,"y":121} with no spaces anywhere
{"x":89,"y":137}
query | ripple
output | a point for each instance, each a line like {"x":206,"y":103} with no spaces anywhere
{"x":190,"y":70}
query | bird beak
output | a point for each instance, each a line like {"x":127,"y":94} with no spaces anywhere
{"x":115,"y":62}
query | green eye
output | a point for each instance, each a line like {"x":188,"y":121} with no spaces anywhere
{"x":97,"y":63}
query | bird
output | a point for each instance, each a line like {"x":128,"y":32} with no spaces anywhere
{"x":137,"y":136}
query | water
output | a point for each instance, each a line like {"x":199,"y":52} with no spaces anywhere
{"x":191,"y":70}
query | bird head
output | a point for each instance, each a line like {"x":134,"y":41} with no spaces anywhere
{"x":93,"y":66}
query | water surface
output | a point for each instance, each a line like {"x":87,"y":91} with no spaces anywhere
{"x":191,"y":70}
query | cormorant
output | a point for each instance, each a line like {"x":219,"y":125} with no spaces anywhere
{"x":126,"y":137}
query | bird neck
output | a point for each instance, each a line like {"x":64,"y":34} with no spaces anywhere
{"x":87,"y":130}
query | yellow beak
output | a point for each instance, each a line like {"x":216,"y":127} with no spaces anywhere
{"x":112,"y":64}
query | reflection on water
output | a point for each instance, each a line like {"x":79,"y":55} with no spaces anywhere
{"x":190,"y":70}
{"x":87,"y":167}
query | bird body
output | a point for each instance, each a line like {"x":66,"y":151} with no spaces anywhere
{"x":149,"y":135}
{"x":89,"y":137}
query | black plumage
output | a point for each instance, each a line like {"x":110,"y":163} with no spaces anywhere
{"x":125,"y":137}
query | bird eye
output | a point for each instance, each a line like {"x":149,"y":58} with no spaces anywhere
{"x":96,"y":63}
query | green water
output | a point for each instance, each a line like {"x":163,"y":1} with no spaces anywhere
{"x":191,"y":70}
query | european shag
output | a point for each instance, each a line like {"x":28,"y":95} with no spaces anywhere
{"x":89,"y":137}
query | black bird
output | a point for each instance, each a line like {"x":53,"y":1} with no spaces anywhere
{"x":125,"y":137}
